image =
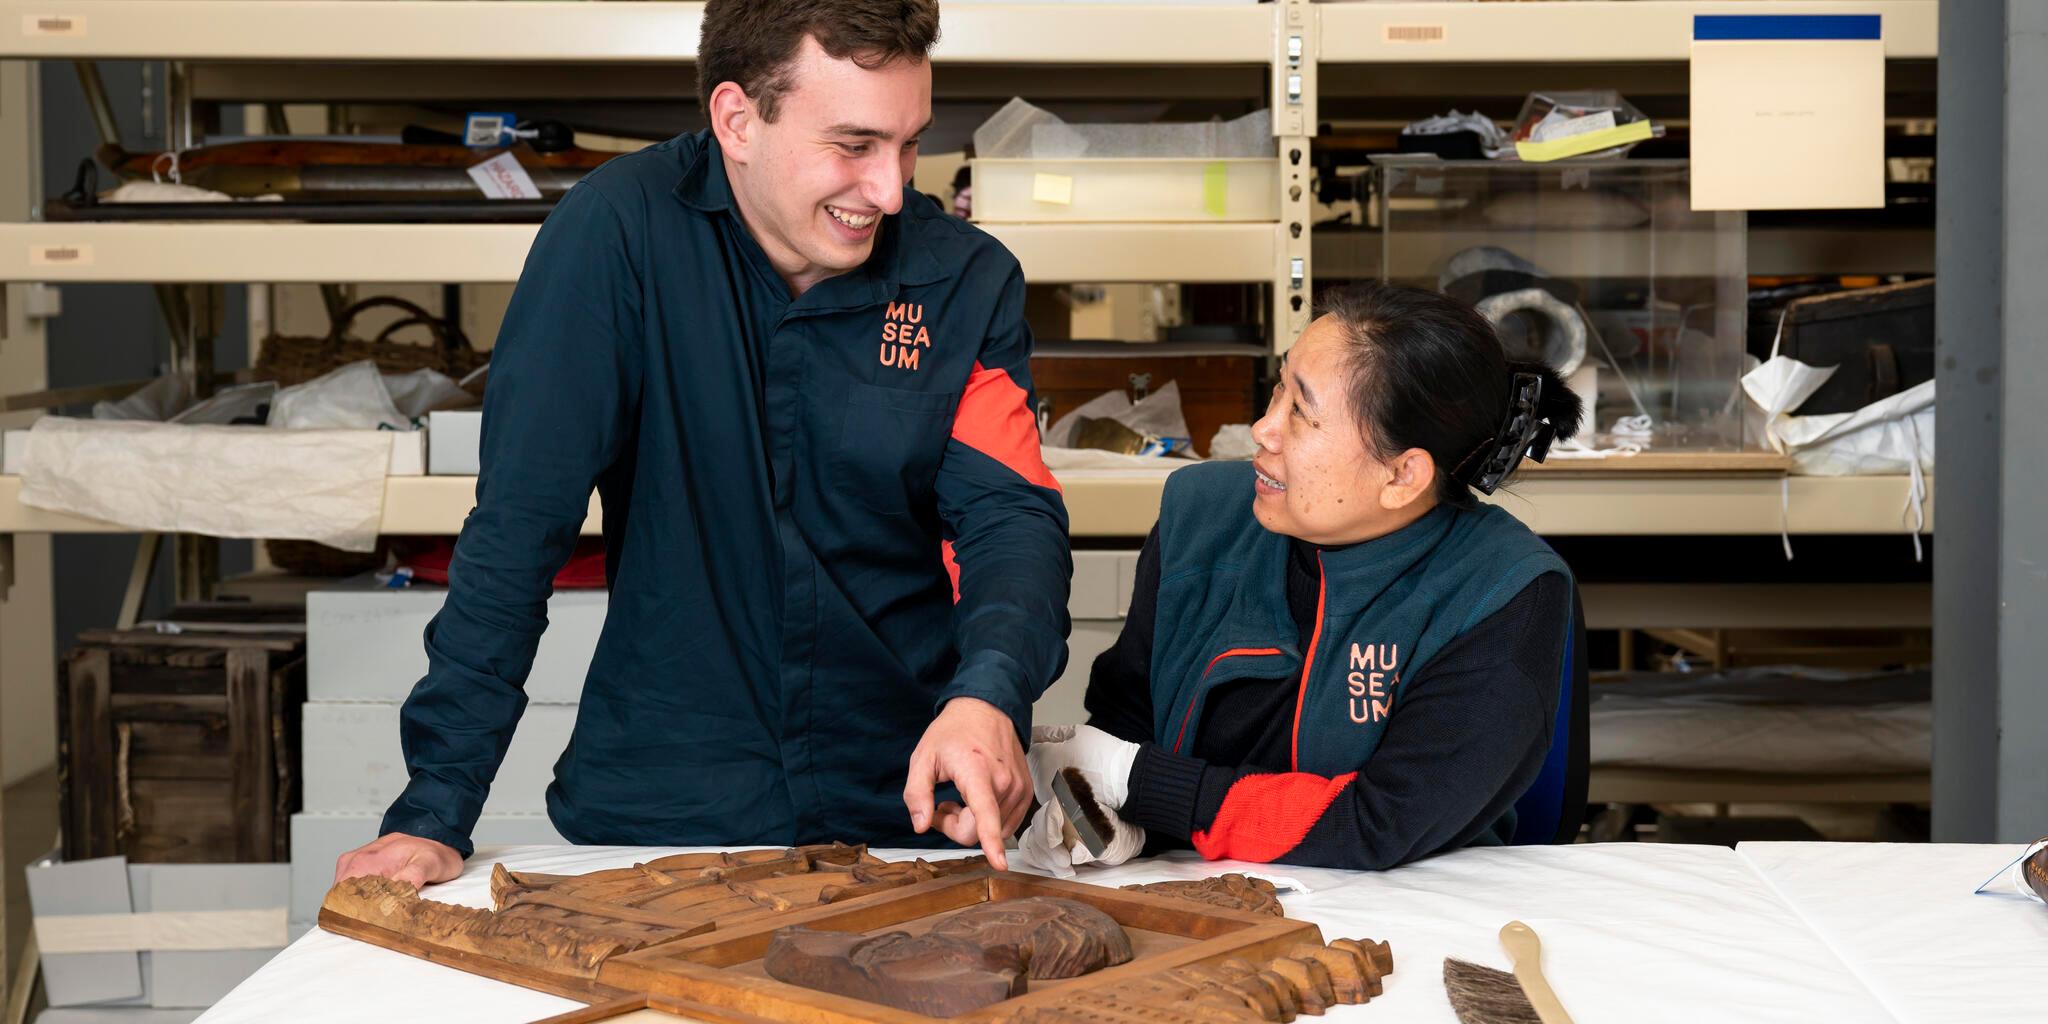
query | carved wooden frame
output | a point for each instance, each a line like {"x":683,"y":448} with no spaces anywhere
{"x":690,"y":975}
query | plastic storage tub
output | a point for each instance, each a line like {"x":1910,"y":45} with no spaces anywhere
{"x":1132,"y":189}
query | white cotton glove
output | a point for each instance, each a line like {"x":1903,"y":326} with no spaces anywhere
{"x":1044,"y":845}
{"x":1105,"y":762}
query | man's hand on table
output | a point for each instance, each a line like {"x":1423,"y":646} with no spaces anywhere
{"x":973,"y":745}
{"x":401,"y":858}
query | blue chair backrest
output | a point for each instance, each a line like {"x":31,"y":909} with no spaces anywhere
{"x":1550,"y":810}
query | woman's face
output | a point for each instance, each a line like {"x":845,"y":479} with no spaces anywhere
{"x":1317,"y":477}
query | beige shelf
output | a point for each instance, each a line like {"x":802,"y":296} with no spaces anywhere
{"x":481,"y":253}
{"x":1117,"y":504}
{"x":1558,"y":31}
{"x":1355,"y":255}
{"x":554,"y":31}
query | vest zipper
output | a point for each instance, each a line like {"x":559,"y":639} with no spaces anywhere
{"x":1308,"y":662}
{"x":1235,"y":652}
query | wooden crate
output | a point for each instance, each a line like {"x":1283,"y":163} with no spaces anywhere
{"x":180,"y":748}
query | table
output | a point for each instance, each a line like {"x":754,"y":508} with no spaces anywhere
{"x":1633,"y":932}
{"x":1902,"y":918}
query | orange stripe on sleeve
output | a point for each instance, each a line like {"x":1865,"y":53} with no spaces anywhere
{"x":995,"y":419}
{"x":1264,"y":816}
{"x":952,"y":567}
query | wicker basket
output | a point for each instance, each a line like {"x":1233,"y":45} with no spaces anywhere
{"x":296,"y":360}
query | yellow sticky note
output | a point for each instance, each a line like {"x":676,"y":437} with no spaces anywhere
{"x":1587,"y":142}
{"x":1053,"y":188}
{"x":1216,"y":189}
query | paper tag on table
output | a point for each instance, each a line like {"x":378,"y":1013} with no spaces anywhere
{"x":501,"y":177}
{"x":1787,"y":111}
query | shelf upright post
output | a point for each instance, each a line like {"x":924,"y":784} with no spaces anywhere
{"x":1295,"y":45}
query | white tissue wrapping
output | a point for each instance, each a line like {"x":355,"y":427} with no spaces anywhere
{"x":318,"y":485}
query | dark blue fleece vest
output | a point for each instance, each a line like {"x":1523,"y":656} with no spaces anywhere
{"x":1387,"y":606}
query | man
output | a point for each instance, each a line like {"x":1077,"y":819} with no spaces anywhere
{"x":801,"y":392}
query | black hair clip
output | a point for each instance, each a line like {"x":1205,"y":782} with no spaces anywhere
{"x":1521,"y":431}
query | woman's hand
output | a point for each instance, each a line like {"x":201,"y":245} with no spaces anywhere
{"x":1105,"y":763}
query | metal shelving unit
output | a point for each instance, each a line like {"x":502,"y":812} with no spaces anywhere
{"x":1104,"y":503}
{"x":240,"y":252}
{"x":253,"y":44}
{"x":1573,"y":31}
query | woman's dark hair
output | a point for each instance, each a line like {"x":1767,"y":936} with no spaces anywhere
{"x":753,"y":42}
{"x":1427,"y":371}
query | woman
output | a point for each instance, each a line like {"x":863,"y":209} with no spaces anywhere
{"x":1335,"y":655}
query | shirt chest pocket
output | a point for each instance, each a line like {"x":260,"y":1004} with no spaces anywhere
{"x":890,"y":444}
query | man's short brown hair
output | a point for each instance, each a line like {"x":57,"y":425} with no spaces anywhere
{"x":752,"y":42}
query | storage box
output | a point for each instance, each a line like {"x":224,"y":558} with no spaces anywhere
{"x":408,"y":453}
{"x":452,"y":440}
{"x":357,"y":766}
{"x":1879,"y":340}
{"x":365,"y":642}
{"x":1598,"y":262}
{"x":1130,"y":189}
{"x":180,"y":748}
{"x":147,"y":969}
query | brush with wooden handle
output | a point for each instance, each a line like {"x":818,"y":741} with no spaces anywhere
{"x":1482,"y":995}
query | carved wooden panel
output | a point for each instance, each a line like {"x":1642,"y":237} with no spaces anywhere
{"x":831,"y":935}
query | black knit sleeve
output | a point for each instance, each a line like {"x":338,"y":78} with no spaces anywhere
{"x":1468,"y":737}
{"x":1119,"y":698}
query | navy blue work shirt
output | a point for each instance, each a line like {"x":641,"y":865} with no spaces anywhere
{"x":824,"y":517}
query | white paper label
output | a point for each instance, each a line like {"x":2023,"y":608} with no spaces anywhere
{"x":1565,"y":128}
{"x":52,"y":25}
{"x":59,"y":255}
{"x":501,"y":177}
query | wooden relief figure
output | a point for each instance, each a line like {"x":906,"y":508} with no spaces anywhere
{"x":831,"y":935}
{"x":969,"y":959}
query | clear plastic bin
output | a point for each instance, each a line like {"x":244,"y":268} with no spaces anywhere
{"x":1127,"y":189}
{"x":1660,"y":291}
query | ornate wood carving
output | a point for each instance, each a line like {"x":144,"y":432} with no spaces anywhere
{"x":699,"y":930}
{"x":1233,"y":890}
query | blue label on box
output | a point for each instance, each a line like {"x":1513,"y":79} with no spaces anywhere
{"x":1746,"y":27}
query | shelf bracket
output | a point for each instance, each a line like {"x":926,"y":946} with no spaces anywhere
{"x":1296,"y":46}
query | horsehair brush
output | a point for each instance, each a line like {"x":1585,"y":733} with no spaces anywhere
{"x":1087,"y":822}
{"x":1482,"y":995}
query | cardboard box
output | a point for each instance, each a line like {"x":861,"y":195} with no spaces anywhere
{"x":354,"y":764}
{"x":365,"y":642}
{"x":149,"y":976}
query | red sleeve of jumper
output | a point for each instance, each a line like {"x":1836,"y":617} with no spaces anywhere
{"x":1265,"y":816}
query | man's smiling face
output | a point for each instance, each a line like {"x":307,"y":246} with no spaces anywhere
{"x":814,"y":183}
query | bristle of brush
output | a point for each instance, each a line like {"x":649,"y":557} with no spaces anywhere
{"x":1084,"y":794}
{"x":1482,"y":995}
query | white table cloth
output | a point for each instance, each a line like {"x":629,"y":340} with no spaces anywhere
{"x":1903,"y":920}
{"x":1632,"y":933}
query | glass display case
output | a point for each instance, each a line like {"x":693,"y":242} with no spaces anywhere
{"x":1600,"y":268}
